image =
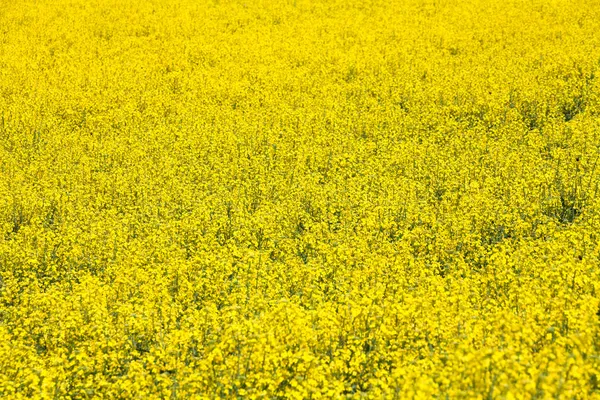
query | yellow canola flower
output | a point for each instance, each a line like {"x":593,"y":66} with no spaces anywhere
{"x":299,"y":199}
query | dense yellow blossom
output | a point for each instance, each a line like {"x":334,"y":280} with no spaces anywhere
{"x":299,"y":199}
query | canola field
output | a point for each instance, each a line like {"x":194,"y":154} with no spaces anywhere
{"x":299,"y":199}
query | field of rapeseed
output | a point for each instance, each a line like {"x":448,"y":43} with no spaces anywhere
{"x":299,"y":199}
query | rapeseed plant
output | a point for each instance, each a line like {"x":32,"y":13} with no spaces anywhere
{"x":299,"y":199}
